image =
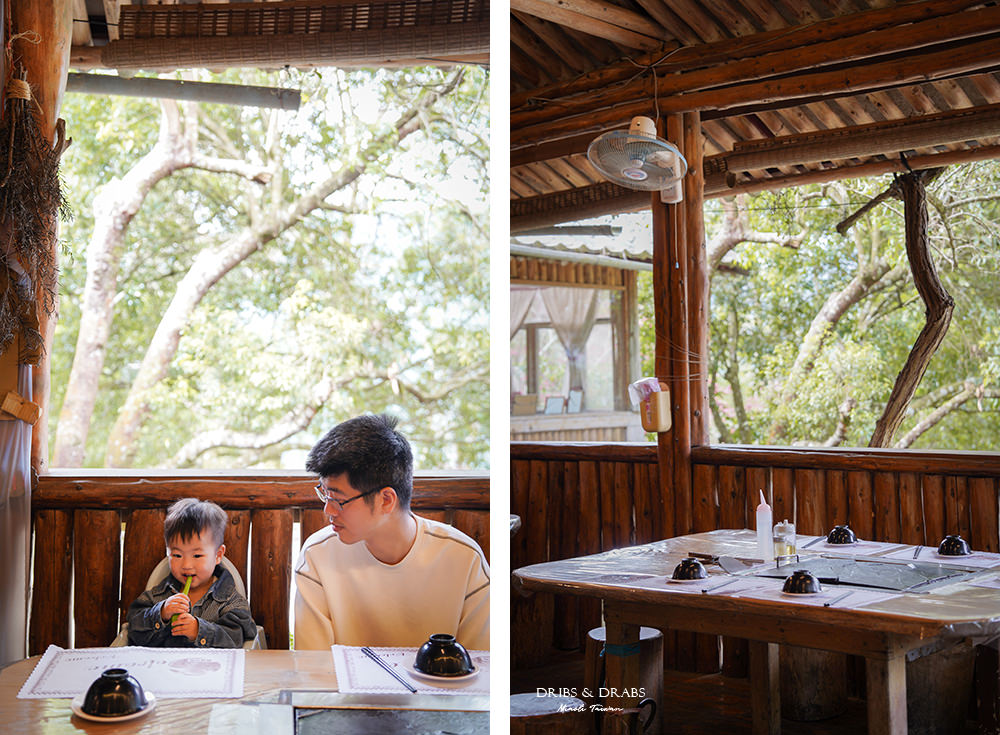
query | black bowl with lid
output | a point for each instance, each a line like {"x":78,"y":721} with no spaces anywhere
{"x":841,"y":535}
{"x":442,"y":655}
{"x":954,"y":545}
{"x":689,"y":568}
{"x":115,"y":693}
{"x":801,"y":582}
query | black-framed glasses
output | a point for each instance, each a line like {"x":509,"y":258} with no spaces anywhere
{"x":323,"y":495}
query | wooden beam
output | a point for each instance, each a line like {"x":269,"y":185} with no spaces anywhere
{"x":575,"y":204}
{"x":112,"y":13}
{"x":966,"y":58}
{"x":867,"y":140}
{"x":692,"y":57}
{"x":599,"y":27}
{"x":607,"y":198}
{"x":554,"y":37}
{"x":147,"y":489}
{"x":613,"y":14}
{"x":876,"y":168}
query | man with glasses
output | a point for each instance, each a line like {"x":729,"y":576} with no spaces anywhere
{"x":380,"y":575}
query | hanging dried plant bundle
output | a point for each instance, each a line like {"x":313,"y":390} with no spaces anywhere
{"x":30,"y":198}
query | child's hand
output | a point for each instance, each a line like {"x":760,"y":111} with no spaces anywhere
{"x":186,"y":625}
{"x":179,"y":603}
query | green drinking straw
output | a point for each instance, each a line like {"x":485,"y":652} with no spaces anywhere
{"x":187,"y":588}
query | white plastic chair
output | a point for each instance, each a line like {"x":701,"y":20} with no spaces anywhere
{"x":160,"y":572}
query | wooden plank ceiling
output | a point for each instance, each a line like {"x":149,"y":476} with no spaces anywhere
{"x":276,"y":33}
{"x":789,"y":91}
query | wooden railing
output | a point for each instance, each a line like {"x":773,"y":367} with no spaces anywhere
{"x":577,"y":499}
{"x":103,"y":532}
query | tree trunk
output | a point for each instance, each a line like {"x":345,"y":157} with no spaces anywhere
{"x":114,"y":207}
{"x":937,"y":300}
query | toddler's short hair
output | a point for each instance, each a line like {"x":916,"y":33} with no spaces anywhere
{"x":189,"y":517}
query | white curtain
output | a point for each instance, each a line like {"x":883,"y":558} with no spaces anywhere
{"x":520,"y":304}
{"x":572,"y":312}
{"x":15,"y":523}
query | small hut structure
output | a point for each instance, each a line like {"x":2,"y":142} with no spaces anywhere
{"x":757,"y":95}
{"x":591,"y":288}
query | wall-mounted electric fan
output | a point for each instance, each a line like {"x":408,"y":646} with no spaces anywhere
{"x":638,"y":159}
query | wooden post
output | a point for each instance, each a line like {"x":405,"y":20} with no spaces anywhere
{"x":54,"y":564}
{"x":96,"y":538}
{"x":886,"y":683}
{"x":271,"y":573}
{"x":765,"y":699}
{"x":144,"y":548}
{"x":47,"y":63}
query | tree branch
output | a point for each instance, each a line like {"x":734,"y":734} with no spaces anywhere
{"x":291,"y":423}
{"x":939,"y":306}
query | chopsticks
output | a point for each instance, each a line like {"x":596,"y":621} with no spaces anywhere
{"x":814,"y":541}
{"x":916,"y":551}
{"x":837,"y":599}
{"x":377,"y":659}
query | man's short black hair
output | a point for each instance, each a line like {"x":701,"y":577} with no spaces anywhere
{"x":189,"y":516}
{"x":372,"y":453}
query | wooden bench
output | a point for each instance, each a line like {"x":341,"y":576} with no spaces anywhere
{"x":103,"y":532}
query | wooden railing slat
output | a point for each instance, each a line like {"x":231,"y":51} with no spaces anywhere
{"x":836,"y":499}
{"x":783,"y":491}
{"x":606,"y":498}
{"x":886,"y":504}
{"x":96,"y":550}
{"x":644,"y":514}
{"x":567,"y":633}
{"x":956,"y":493}
{"x":520,"y":485}
{"x":810,"y":503}
{"x":271,"y":573}
{"x":911,"y":509}
{"x":985,"y":511}
{"x":934,"y":514}
{"x":53,"y":563}
{"x":238,"y":540}
{"x":476,"y":525}
{"x":312,"y":520}
{"x":624,"y":503}
{"x":860,"y":511}
{"x":144,"y":548}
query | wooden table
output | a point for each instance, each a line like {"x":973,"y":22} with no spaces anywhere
{"x":276,"y":684}
{"x":626,"y":580}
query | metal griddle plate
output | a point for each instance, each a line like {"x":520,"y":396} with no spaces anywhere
{"x":887,"y":575}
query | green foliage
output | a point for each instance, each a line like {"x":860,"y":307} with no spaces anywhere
{"x":778,"y":291}
{"x":399,"y":286}
{"x":783,"y":290}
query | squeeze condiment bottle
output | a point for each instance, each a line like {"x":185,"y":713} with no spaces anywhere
{"x":765,"y":546}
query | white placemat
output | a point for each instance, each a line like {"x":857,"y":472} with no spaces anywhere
{"x":357,"y":674}
{"x":170,"y":673}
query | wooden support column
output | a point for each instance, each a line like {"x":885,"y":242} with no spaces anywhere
{"x":765,"y":698}
{"x":886,"y":684}
{"x":47,"y":64}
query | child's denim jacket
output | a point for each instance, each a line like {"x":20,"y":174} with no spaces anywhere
{"x":223,"y":614}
